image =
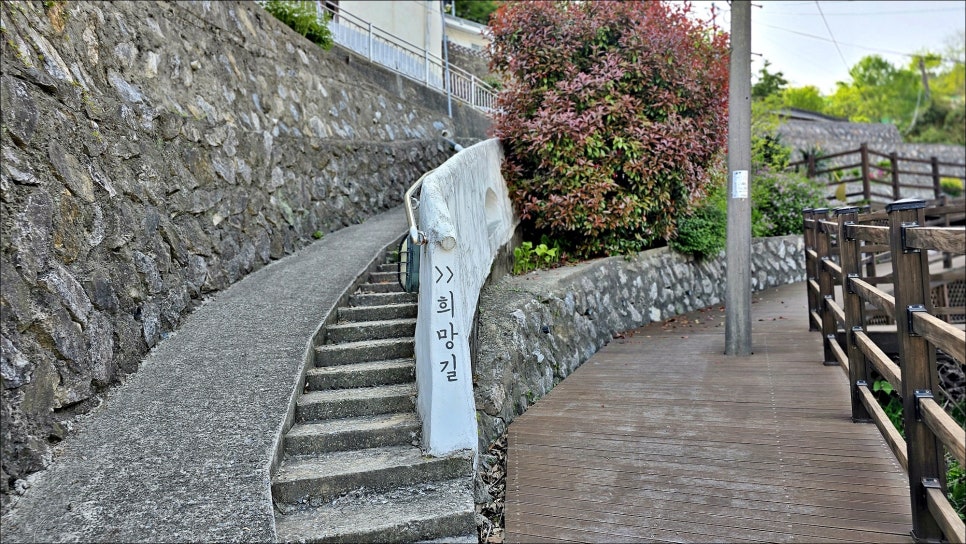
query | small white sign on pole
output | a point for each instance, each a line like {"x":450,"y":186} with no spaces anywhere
{"x":739,"y":184}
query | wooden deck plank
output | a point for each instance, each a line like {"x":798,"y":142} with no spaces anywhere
{"x":726,"y":526}
{"x":737,"y":505}
{"x":660,"y":437}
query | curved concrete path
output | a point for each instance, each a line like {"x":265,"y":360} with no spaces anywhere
{"x":182,"y":451}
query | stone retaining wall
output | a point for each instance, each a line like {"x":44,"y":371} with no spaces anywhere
{"x":535,"y":329}
{"x":834,"y":136}
{"x":154,"y":152}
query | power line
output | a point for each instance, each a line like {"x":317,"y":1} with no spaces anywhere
{"x":876,"y":49}
{"x":877,"y":13}
{"x":837,"y":48}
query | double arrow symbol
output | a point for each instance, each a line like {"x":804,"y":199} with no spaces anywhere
{"x":448,"y":269}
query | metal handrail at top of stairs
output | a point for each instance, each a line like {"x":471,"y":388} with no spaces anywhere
{"x":411,"y":61}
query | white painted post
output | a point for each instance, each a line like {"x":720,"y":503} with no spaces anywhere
{"x":426,"y":56}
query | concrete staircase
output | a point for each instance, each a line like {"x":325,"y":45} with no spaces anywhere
{"x":352,"y":469}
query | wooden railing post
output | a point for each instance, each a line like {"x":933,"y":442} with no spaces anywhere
{"x":947,"y":256}
{"x":850,"y":258}
{"x":894,"y":160}
{"x":910,"y":269}
{"x":810,"y":168}
{"x":811,"y":265}
{"x":866,"y":177}
{"x":826,"y":285}
{"x":937,"y":188}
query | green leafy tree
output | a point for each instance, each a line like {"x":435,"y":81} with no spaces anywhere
{"x":806,"y":98}
{"x":879,"y":93}
{"x":476,"y":10}
{"x":768,"y":84}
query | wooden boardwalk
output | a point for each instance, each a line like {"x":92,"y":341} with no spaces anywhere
{"x":660,"y":437}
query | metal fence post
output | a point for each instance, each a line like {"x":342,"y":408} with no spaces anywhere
{"x":369,"y":44}
{"x":473,"y":101}
{"x":910,"y":269}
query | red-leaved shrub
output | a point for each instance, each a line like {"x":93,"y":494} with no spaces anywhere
{"x":611,"y":113}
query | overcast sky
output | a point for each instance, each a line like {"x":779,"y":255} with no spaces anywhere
{"x":792,"y":35}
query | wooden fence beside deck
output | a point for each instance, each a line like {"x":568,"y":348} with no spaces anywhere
{"x":890,"y":178}
{"x":834,"y":258}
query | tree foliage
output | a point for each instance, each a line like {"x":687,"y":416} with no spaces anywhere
{"x":476,"y":10}
{"x":768,"y":83}
{"x":926,"y":99}
{"x":879,"y":93}
{"x":805,"y":98}
{"x":611,"y":115}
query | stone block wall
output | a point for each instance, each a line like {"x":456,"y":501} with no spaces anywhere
{"x":536,"y":329}
{"x":156,"y":152}
{"x":834,"y":136}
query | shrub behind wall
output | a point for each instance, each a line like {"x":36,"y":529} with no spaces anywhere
{"x":611,"y":115}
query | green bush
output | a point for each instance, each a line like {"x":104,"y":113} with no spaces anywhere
{"x":951,"y":186}
{"x":776,"y":210}
{"x":778,"y":199}
{"x":301,"y":17}
{"x":768,"y":152}
{"x":702,"y":234}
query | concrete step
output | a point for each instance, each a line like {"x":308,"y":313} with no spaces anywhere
{"x":389,"y":267}
{"x":396,"y":429}
{"x":370,"y":330}
{"x":387,"y":287}
{"x":381,"y":299}
{"x":364,"y":351}
{"x":365,"y":401}
{"x":466,"y":538}
{"x":432,"y":510}
{"x":322,"y":479}
{"x":368,"y":374}
{"x":377,"y":313}
{"x":385,"y":277}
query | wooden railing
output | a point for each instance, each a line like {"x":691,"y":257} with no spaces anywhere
{"x":874,"y":177}
{"x":834,"y":260}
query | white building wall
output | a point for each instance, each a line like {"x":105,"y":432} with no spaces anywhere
{"x":415,"y":21}
{"x":467,"y":33}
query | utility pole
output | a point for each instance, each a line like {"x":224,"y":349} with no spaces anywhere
{"x":925,"y":77}
{"x":738,"y":250}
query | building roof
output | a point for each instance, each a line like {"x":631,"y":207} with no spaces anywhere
{"x":807,"y":115}
{"x":464,"y":24}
